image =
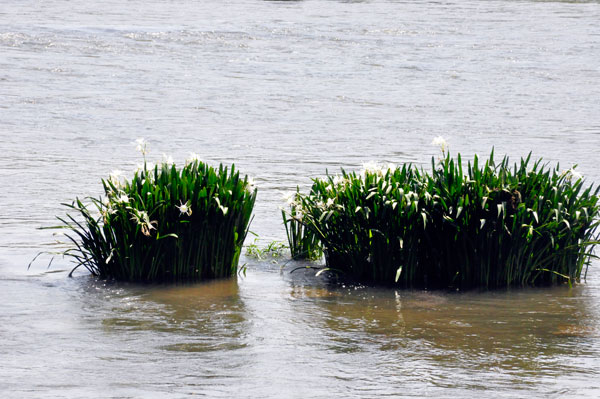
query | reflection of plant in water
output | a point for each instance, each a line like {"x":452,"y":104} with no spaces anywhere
{"x":523,"y":331}
{"x":207,"y":316}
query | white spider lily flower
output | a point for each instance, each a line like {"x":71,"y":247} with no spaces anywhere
{"x":576,"y":175}
{"x":341,"y":181}
{"x":330,"y":202}
{"x":250,"y":184}
{"x":109,"y":210}
{"x":370,"y":166}
{"x":122,"y":199}
{"x":289,"y":197}
{"x":116,"y":174}
{"x":117,"y":177}
{"x":143,"y":220}
{"x":185,"y":209}
{"x":571,"y":175}
{"x":192,"y":158}
{"x":299,"y":216}
{"x":167,"y":159}
{"x":141,"y":145}
{"x":146,"y":166}
{"x":440,"y":142}
{"x":373,"y":168}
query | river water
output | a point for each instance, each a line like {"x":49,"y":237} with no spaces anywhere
{"x":286,"y":90}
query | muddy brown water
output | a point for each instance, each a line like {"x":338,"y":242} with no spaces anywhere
{"x":286,"y":90}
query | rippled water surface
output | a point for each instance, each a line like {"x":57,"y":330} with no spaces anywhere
{"x":286,"y":90}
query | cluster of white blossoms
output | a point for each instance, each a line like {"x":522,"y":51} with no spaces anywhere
{"x":571,"y":175}
{"x":167,"y":160}
{"x":146,"y":166}
{"x":379,"y":170}
{"x":340,"y":181}
{"x":141,"y":146}
{"x":117,"y":178}
{"x":292,"y":199}
{"x":143,"y":220}
{"x":331,"y":204}
{"x":121,"y":198}
{"x":327,"y":205}
{"x":193,"y":157}
{"x":337,"y":182}
{"x":250,"y":185}
{"x":109,"y":204}
{"x":107,"y":208}
{"x":117,"y":199}
{"x":440,"y":142}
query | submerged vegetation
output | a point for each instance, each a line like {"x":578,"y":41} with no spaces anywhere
{"x":273,"y":250}
{"x":166,"y":224}
{"x":484,"y":225}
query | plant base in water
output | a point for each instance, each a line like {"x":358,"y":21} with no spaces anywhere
{"x":165,"y":225}
{"x":475,"y":226}
{"x":302,"y":242}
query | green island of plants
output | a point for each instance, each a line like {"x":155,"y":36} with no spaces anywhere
{"x":165,"y":225}
{"x":492,"y":225}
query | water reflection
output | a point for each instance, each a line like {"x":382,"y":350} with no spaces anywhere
{"x":522,"y":334}
{"x":193,"y":318}
{"x":288,"y":330}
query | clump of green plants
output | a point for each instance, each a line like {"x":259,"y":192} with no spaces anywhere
{"x":481,"y":225}
{"x":166,"y":224}
{"x":303,"y":244}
